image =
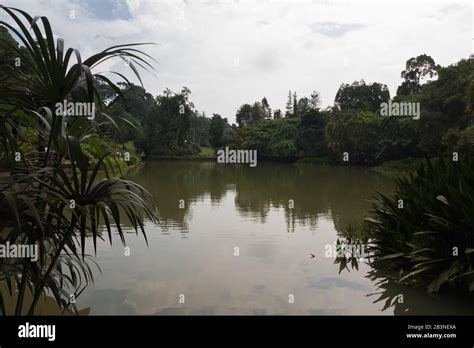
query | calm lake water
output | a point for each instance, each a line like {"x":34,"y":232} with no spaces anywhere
{"x":207,"y":210}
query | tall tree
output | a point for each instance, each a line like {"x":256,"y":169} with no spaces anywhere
{"x":267,"y":109}
{"x":417,"y":69}
{"x":216,"y":131}
{"x":199,"y":131}
{"x":289,"y":105}
{"x":250,"y":114}
{"x":303,"y":106}
{"x":244,"y":115}
{"x":311,"y":134}
{"x":258,"y":113}
{"x":167,"y":125}
{"x":295,"y":105}
{"x":315,"y":100}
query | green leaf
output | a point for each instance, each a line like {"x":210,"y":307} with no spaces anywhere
{"x":391,"y":256}
{"x":411,"y":274}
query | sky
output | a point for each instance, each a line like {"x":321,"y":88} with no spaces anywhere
{"x":231,"y":52}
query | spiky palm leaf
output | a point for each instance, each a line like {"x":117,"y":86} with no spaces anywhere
{"x":430,"y":238}
{"x":35,"y":199}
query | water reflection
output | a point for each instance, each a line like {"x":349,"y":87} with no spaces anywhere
{"x":403,"y":300}
{"x":281,"y":249}
{"x":340,"y":192}
{"x":410,"y":301}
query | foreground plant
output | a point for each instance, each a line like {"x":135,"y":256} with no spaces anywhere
{"x":425,"y":231}
{"x":52,"y":197}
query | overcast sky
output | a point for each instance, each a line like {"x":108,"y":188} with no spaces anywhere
{"x":234,"y":52}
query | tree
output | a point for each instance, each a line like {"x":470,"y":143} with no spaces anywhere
{"x":168,"y":124}
{"x":250,"y":114}
{"x":277,"y":114}
{"x":199,"y":131}
{"x":216,"y":131}
{"x":284,"y":149}
{"x":311,"y":134}
{"x":362,"y":96}
{"x":130,"y":109}
{"x":275,"y":139}
{"x":295,"y":105}
{"x":244,"y":115}
{"x":289,"y":105}
{"x":357,"y":133}
{"x":9,"y":51}
{"x":303,"y":106}
{"x":315,"y":100}
{"x":417,"y":69}
{"x":266,"y":108}
{"x":446,"y":107}
{"x":258,"y":113}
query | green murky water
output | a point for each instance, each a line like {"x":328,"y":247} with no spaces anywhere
{"x":210,"y":212}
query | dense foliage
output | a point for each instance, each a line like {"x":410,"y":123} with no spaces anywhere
{"x":425,"y":231}
{"x":52,"y":195}
{"x":173,"y":127}
{"x":355,"y":126}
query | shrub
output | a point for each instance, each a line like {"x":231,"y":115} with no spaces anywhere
{"x":284,"y":148}
{"x":426,"y":230}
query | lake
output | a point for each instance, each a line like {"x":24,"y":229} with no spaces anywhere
{"x":239,"y":240}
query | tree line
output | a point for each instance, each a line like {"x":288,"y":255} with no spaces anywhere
{"x":353,"y":125}
{"x":173,"y":127}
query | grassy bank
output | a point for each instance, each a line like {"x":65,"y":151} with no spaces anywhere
{"x":399,"y":167}
{"x":207,"y":152}
{"x":391,"y":168}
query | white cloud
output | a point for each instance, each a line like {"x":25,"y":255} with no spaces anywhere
{"x":279,"y":45}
